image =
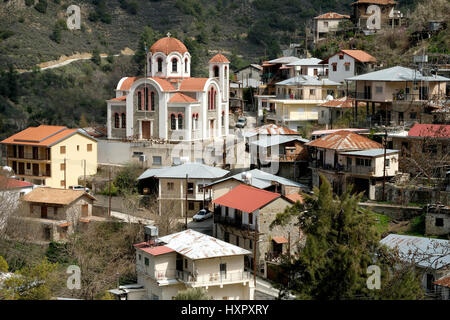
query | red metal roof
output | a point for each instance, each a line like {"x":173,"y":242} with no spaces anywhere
{"x":246,"y":198}
{"x":10,"y":183}
{"x":430,"y":130}
{"x":153,"y":250}
{"x":344,"y":140}
{"x":443,"y":282}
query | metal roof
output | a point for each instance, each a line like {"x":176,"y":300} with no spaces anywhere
{"x":268,"y":141}
{"x":344,"y":140}
{"x":195,"y":245}
{"x":370,"y":152}
{"x":284,"y":60}
{"x":397,"y":73}
{"x":424,"y":252}
{"x":193,"y":170}
{"x":269,"y":129}
{"x":304,"y":80}
{"x":305,"y":62}
{"x":323,"y":132}
{"x":262,"y":180}
{"x":430,"y":130}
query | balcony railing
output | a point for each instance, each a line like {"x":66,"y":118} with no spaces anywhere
{"x":361,"y":170}
{"x":417,"y":97}
{"x":340,"y":168}
{"x":212,"y":278}
{"x":28,"y":157}
{"x":290,"y":96}
{"x":232,"y":222}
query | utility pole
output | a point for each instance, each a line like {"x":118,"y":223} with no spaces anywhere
{"x":84,"y":174}
{"x":289,"y":246}
{"x":255,"y":240}
{"x":109,"y":192}
{"x":186,"y":203}
{"x":65,"y":177}
{"x":384,"y":166}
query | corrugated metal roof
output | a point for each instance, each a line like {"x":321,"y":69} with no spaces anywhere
{"x":269,"y":129}
{"x":153,"y":250}
{"x":343,"y":102}
{"x":246,"y":198}
{"x":323,"y":132}
{"x":427,"y":252}
{"x":305,"y":62}
{"x":303,"y":80}
{"x":370,"y":152}
{"x":193,"y":170}
{"x":262,"y":180}
{"x":268,"y":141}
{"x":284,"y":60}
{"x":397,"y":73}
{"x":195,"y":245}
{"x":344,"y":140}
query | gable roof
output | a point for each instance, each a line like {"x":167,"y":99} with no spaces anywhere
{"x":283,"y":60}
{"x":397,"y":74}
{"x":195,"y":245}
{"x":305,"y":62}
{"x":193,"y":170}
{"x":358,"y":55}
{"x":44,"y":136}
{"x":182,"y":98}
{"x":332,"y":15}
{"x":55,"y":196}
{"x":344,"y":140}
{"x":10,"y":183}
{"x":246,"y":198}
{"x":430,"y":130}
{"x":153,"y":250}
{"x":268,"y":141}
{"x":269,"y":129}
{"x":193,"y":84}
{"x":294,"y":197}
{"x":343,"y":102}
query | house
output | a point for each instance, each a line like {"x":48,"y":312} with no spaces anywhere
{"x":243,"y":215}
{"x":175,"y":184}
{"x":55,"y":213}
{"x":297,"y":99}
{"x":257,"y":179}
{"x":52,"y":156}
{"x":431,"y":256}
{"x":274,"y":71}
{"x":443,"y":287}
{"x":437,"y":220}
{"x":348,"y":63}
{"x":188,"y":259}
{"x":424,"y":145}
{"x":169,"y":104}
{"x":236,"y":97}
{"x":320,"y":133}
{"x":284,"y":155}
{"x":345,"y":158}
{"x":326,"y":23}
{"x":397,"y":95}
{"x":333,"y":110}
{"x":374,"y":15}
{"x":249,"y":76}
{"x":309,"y":67}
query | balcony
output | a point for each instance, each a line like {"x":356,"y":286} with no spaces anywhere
{"x":369,"y":171}
{"x":418,"y":97}
{"x":232,"y":222}
{"x":290,"y":96}
{"x":210,"y":279}
{"x":28,"y":157}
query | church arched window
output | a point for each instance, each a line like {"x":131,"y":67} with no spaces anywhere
{"x":223,"y":118}
{"x":146,"y":94}
{"x":186,"y":65}
{"x":116,"y":120}
{"x":216,"y":71}
{"x":152,"y":101}
{"x":174,"y":65}
{"x":159,"y":64}
{"x":180,"y":121}
{"x":124,"y":120}
{"x":173,"y":122}
{"x":139,"y":102}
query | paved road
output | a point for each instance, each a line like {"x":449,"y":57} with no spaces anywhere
{"x":132,"y":219}
{"x":205,"y":226}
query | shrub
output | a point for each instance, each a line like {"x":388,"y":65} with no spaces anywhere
{"x":29,"y":3}
{"x":41,"y":6}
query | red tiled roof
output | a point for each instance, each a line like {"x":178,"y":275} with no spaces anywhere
{"x":430,"y":130}
{"x":127,"y":83}
{"x":339,"y":103}
{"x":280,"y":240}
{"x":165,"y":85}
{"x":10,"y":183}
{"x":168,"y":45}
{"x":181,"y":98}
{"x":220,"y":58}
{"x":246,"y":198}
{"x":122,"y":98}
{"x":193,"y":84}
{"x":382,"y":2}
{"x":360,"y":55}
{"x":344,"y":140}
{"x":153,"y":250}
{"x":332,"y":15}
{"x":443,"y":282}
{"x":43,"y":135}
{"x":294,"y":197}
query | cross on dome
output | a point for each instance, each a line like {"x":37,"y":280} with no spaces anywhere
{"x":168,"y":34}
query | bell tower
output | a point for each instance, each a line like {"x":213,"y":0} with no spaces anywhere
{"x":219,"y":68}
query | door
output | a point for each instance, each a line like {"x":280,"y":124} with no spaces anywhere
{"x":21,"y":168}
{"x":35,"y":169}
{"x":84,"y":210}
{"x":44,"y":212}
{"x":223,"y":270}
{"x":400,"y":116}
{"x":35,"y":153}
{"x":423,"y":93}
{"x":146,"y":130}
{"x":21,"y":152}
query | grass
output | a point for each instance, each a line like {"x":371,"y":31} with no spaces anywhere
{"x":382,"y":225}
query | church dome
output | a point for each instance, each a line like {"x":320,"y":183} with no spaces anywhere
{"x":168,"y":45}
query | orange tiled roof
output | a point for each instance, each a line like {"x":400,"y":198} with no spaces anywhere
{"x":10,"y":183}
{"x":332,"y":15}
{"x":122,"y":98}
{"x":339,"y":103}
{"x":55,"y":196}
{"x":219,"y":58}
{"x":43,"y":135}
{"x":181,"y":98}
{"x":165,"y":85}
{"x":280,"y":240}
{"x":127,"y":83}
{"x":193,"y":84}
{"x":294,"y":197}
{"x":344,"y":140}
{"x":360,"y":55}
{"x":382,"y":2}
{"x":168,"y":45}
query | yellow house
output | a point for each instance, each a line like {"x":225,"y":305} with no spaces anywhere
{"x":53,"y":156}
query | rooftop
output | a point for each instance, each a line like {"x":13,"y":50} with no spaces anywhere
{"x":195,"y":245}
{"x":358,"y":55}
{"x":268,"y":141}
{"x":396,"y":74}
{"x":323,"y":132}
{"x":294,"y":197}
{"x":55,"y":196}
{"x":382,"y":2}
{"x":444,"y":281}
{"x":220,"y":58}
{"x":430,"y":130}
{"x":344,"y":140}
{"x":370,"y":152}
{"x":153,"y":250}
{"x":283,"y":60}
{"x":332,"y":15}
{"x":246,"y":198}
{"x":305,"y":62}
{"x":427,"y":252}
{"x":269,"y":129}
{"x":10,"y":183}
{"x":343,"y":102}
{"x":182,"y":98}
{"x":168,"y":45}
{"x":193,"y":170}
{"x":306,"y":80}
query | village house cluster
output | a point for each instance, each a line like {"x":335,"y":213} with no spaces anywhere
{"x":382,"y":131}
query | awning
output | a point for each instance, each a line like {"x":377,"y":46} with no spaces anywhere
{"x":65,"y":224}
{"x":280,"y":240}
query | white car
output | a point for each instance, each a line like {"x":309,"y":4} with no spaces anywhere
{"x":203,"y":214}
{"x":79,"y":188}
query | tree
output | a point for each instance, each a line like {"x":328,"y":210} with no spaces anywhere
{"x":126,"y":179}
{"x":96,"y":57}
{"x":83,"y":122}
{"x":148,"y":37}
{"x":341,"y":242}
{"x":3,"y":265}
{"x":192,"y":294}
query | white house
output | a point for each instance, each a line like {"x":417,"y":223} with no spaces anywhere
{"x":326,"y":23}
{"x":309,"y":67}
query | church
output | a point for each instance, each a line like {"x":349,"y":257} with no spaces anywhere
{"x":168,"y":104}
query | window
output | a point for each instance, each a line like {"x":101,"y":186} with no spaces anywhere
{"x":379,"y":89}
{"x":62,"y":149}
{"x":174,"y":65}
{"x":216,"y":71}
{"x":157,"y":160}
{"x":63,"y":183}
{"x":223,"y":270}
{"x":363,"y":162}
{"x":185,"y":263}
{"x":250,"y":218}
{"x":140,"y":256}
{"x":28,"y":166}
{"x":139,"y":100}
{"x":186,"y":62}
{"x":190,"y":188}
{"x":388,"y":162}
{"x":63,"y":167}
{"x":180,"y":121}
{"x":325,"y":24}
{"x":191,"y":205}
{"x":212,"y":96}
{"x":439,"y":222}
{"x":152,"y":101}
{"x":341,"y":57}
{"x":347,"y":67}
{"x":170,"y":186}
{"x":223,"y":119}
{"x":250,"y":244}
{"x":312,"y":92}
{"x":226,"y":237}
{"x":413,"y":115}
{"x":173,"y":122}
{"x":89,"y":147}
{"x":334,"y":66}
{"x":78,"y":148}
{"x":116,"y":120}
{"x":124,"y":120}
{"x":159,"y":64}
{"x":237,"y":241}
{"x":146,"y":94}
{"x":146,"y":261}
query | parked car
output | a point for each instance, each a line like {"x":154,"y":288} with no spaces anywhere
{"x":241,"y":123}
{"x":203,"y":214}
{"x":79,"y":188}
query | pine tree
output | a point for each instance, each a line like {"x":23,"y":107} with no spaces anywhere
{"x":96,"y":57}
{"x":148,"y":37}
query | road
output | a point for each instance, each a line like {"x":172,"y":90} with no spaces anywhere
{"x":205,"y":226}
{"x":131,"y":219}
